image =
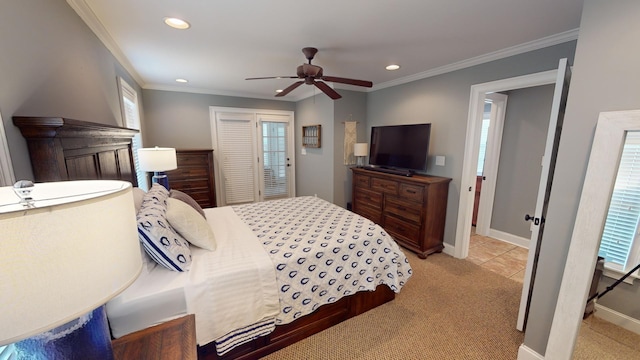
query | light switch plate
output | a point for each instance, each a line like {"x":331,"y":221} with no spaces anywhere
{"x":440,"y":160}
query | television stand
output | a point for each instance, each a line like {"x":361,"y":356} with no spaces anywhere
{"x":390,"y":171}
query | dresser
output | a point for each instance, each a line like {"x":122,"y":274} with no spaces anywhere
{"x":411,"y":209}
{"x":194,"y":176}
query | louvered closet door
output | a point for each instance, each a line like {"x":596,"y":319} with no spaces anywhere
{"x":236,"y":157}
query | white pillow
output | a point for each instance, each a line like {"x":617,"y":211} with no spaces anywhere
{"x":138,"y":195}
{"x":160,"y":241}
{"x":190,"y":224}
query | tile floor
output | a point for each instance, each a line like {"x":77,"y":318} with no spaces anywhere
{"x":498,"y":256}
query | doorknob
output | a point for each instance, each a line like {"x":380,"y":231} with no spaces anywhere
{"x":528,"y":217}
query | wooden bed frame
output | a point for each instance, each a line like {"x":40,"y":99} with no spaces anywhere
{"x":67,"y":149}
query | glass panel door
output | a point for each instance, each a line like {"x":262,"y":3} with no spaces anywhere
{"x":275,"y":159}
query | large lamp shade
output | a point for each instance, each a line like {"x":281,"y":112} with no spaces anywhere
{"x":67,"y":248}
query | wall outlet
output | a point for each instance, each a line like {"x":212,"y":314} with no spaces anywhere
{"x":303,"y":151}
{"x":440,"y":160}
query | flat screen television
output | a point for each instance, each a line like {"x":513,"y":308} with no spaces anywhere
{"x":400,"y":147}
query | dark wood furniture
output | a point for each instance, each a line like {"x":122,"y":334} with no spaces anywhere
{"x":67,"y":149}
{"x":476,"y":201}
{"x":325,"y":317}
{"x":173,"y":340}
{"x":411,"y":209}
{"x":89,"y":138}
{"x":194,"y":176}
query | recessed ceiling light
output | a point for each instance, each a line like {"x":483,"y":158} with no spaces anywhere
{"x":182,"y":80}
{"x":393,"y":67}
{"x":176,"y":23}
{"x":279,"y":90}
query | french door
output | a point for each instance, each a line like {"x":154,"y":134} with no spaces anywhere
{"x":253,"y":155}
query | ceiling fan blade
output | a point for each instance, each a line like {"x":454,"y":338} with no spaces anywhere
{"x":356,"y":82}
{"x":290,"y":88}
{"x":272,"y":77}
{"x":327,"y":90}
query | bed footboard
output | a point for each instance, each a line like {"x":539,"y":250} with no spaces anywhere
{"x":284,"y":335}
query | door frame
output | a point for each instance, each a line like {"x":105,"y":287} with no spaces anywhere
{"x":472,"y":147}
{"x":255,"y":113}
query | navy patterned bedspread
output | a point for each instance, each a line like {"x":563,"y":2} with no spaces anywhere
{"x":323,"y":252}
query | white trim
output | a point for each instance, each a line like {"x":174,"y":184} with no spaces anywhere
{"x":449,"y":250}
{"x":510,"y":238}
{"x":525,"y":353}
{"x":7,"y":177}
{"x":472,"y":143}
{"x":616,"y":318}
{"x":89,"y":17}
{"x":598,"y":184}
{"x":556,"y":39}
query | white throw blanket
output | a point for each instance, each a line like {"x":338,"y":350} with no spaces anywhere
{"x":237,"y":280}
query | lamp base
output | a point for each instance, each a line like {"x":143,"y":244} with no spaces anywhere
{"x":161,"y":178}
{"x":87,"y":337}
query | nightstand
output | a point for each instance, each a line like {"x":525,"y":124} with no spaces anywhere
{"x":173,"y":340}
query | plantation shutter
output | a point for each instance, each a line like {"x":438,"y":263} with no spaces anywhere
{"x":235,"y":146}
{"x":131,"y":114}
{"x":621,"y":225}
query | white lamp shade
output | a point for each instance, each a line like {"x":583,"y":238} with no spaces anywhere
{"x":360,"y":149}
{"x":71,"y":251}
{"x":157,"y":159}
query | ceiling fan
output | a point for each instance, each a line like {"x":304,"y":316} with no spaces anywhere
{"x":312,"y":75}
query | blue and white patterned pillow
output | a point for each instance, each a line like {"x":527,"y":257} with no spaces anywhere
{"x":160,"y":241}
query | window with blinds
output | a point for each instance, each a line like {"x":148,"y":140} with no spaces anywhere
{"x":274,"y":149}
{"x":131,"y":113}
{"x":619,"y":245}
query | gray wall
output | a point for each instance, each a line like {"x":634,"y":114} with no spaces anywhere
{"x":53,"y":65}
{"x":315,"y":170}
{"x":523,"y":139}
{"x":605,"y":78}
{"x":444,"y":101}
{"x":182,"y":120}
{"x":352,"y":107}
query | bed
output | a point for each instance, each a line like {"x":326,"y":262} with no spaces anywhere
{"x":357,"y":266}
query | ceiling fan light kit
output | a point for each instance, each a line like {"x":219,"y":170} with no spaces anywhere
{"x":313,"y":75}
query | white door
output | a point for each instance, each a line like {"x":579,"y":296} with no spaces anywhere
{"x":548,"y":166}
{"x":276,"y":145}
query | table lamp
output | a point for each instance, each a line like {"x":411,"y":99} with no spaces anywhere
{"x":67,"y":248}
{"x":360,"y":150}
{"x":158,"y":160}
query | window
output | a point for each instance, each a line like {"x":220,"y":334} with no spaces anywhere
{"x":619,"y":244}
{"x":131,"y":114}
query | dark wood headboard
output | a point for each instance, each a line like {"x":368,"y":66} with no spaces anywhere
{"x":67,"y":149}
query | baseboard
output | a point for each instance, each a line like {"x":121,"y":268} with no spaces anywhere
{"x":449,"y":249}
{"x":510,"y":238}
{"x":619,"y":319}
{"x":525,"y":353}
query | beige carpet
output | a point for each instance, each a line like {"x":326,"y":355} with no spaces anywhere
{"x":449,"y":309}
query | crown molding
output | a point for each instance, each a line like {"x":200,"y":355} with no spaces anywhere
{"x":89,"y":17}
{"x":556,"y":39}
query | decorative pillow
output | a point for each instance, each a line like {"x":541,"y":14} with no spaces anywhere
{"x":160,"y":241}
{"x":138,"y":195}
{"x":177,"y":194}
{"x":188,"y":223}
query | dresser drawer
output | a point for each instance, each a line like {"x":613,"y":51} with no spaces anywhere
{"x":411,"y":192}
{"x":386,"y":186}
{"x":404,"y":209}
{"x":190,"y":184}
{"x":368,"y":198}
{"x":372,"y":214}
{"x":192,"y":159}
{"x":189,"y":173}
{"x":403,"y":231}
{"x":361,"y":181}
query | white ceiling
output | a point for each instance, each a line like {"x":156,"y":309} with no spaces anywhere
{"x":230,"y":40}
